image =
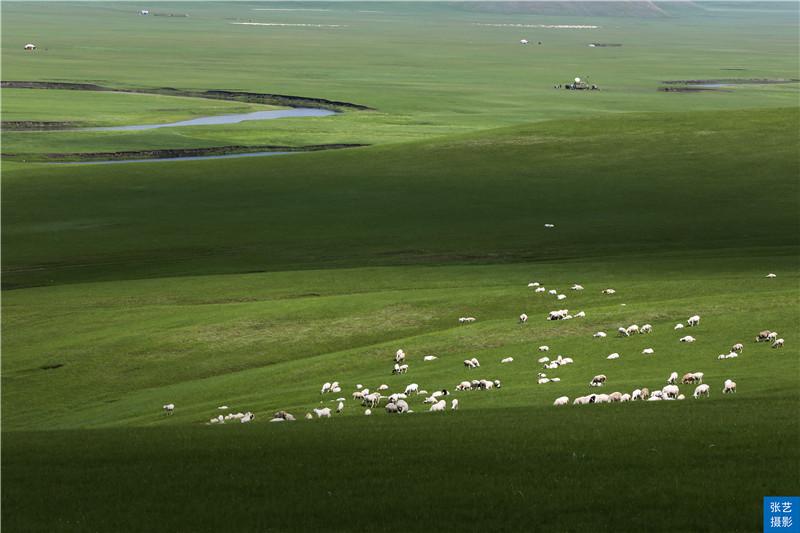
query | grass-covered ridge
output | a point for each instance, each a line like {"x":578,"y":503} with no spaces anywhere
{"x":648,"y":183}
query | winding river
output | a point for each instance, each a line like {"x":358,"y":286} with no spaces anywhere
{"x":226,"y":119}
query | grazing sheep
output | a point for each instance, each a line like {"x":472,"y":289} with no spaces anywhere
{"x":371,"y":400}
{"x":673,"y":378}
{"x":623,"y":332}
{"x":648,"y":351}
{"x":309,"y":416}
{"x":602,"y":398}
{"x":555,"y":380}
{"x":533,"y":284}
{"x":248,"y":417}
{"x":562,"y":297}
{"x":738,"y":347}
{"x":577,"y":287}
{"x":598,"y":380}
{"x":464,"y":385}
{"x":614,"y":355}
{"x":730,"y":386}
{"x":670,"y":391}
{"x":600,"y":335}
{"x":468,"y":363}
{"x":561,"y":400}
{"x":778,"y":343}
{"x":701,"y":390}
{"x":169,"y":408}
{"x":608,"y":291}
{"x":552,"y":292}
{"x":413,"y":387}
{"x":542,"y":381}
{"x":678,"y":326}
{"x":383,"y":387}
{"x":552,"y":365}
{"x":399,"y":356}
{"x":402,"y":369}
{"x":391,"y":408}
{"x":645,"y":393}
{"x":694,"y":320}
{"x":698,"y":377}
{"x":771,"y":275}
{"x":763,"y":336}
{"x":544,"y":348}
{"x":544,"y":359}
{"x":368,"y":412}
{"x":687,"y":338}
{"x":222,"y":407}
{"x":466,"y":320}
{"x":647,"y":328}
{"x":441,"y":405}
{"x":430,"y":358}
{"x":566,"y":360}
{"x":325,"y":412}
{"x":680,"y":397}
{"x":549,"y":225}
{"x":636,"y":395}
{"x":688,"y":378}
{"x":507,"y":360}
{"x":340,"y":407}
{"x":326,"y":387}
{"x":540,"y":289}
{"x":632,"y":329}
{"x":430,"y":399}
{"x":454,"y":404}
{"x":402,"y":406}
{"x":283,"y":415}
{"x":559,"y":314}
{"x":625,"y":397}
{"x":615,"y":397}
{"x":654,"y":399}
{"x":523,"y":318}
{"x":359,"y":386}
{"x":580,"y":314}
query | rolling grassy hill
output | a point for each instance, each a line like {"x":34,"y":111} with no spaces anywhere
{"x":250,"y":282}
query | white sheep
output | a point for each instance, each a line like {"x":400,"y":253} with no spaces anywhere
{"x":694,"y":320}
{"x":169,"y":408}
{"x":562,"y":297}
{"x":598,"y":380}
{"x":412,"y":387}
{"x":561,"y":400}
{"x":678,"y":326}
{"x":647,"y":328}
{"x":468,"y":363}
{"x":625,"y":397}
{"x":600,"y":335}
{"x":544,"y":360}
{"x":614,"y":355}
{"x":549,"y":226}
{"x":730,"y":386}
{"x":636,"y":395}
{"x":542,"y":381}
{"x":507,"y":360}
{"x":441,"y":405}
{"x":648,"y":351}
{"x":402,"y":406}
{"x":687,"y":338}
{"x":430,"y":358}
{"x":671,"y":391}
{"x":523,"y":318}
{"x":309,"y":416}
{"x":248,"y":417}
{"x":552,"y":292}
{"x":399,"y":356}
{"x":368,"y":412}
{"x":771,"y":275}
{"x":577,"y":287}
{"x":467,"y":319}
{"x":391,"y":408}
{"x":454,"y":404}
{"x":609,"y":291}
{"x":326,"y":387}
{"x":340,"y":407}
{"x":623,"y":332}
{"x":738,"y":347}
{"x":324,"y":412}
{"x":540,"y":289}
{"x":778,"y":343}
{"x":632,"y":329}
{"x":544,"y":348}
{"x":383,"y":387}
{"x":533,"y":284}
{"x":673,"y":379}
{"x":464,"y":385}
{"x":701,"y":390}
{"x":222,"y":407}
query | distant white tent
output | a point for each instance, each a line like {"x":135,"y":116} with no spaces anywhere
{"x":30,"y":46}
{"x":523,"y":41}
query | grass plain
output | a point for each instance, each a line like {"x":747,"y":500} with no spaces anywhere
{"x":250,"y":282}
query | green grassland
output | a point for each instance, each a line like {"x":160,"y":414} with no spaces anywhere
{"x":250,"y":282}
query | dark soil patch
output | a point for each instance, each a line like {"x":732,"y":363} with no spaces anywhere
{"x":51,"y":366}
{"x":174,"y":152}
{"x":731,"y":81}
{"x":689,"y":89}
{"x":214,"y":94}
{"x":35,"y":125}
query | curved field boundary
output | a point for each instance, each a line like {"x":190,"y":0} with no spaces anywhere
{"x":214,"y":94}
{"x":174,"y":152}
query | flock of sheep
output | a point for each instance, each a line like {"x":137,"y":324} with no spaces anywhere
{"x":398,"y":402}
